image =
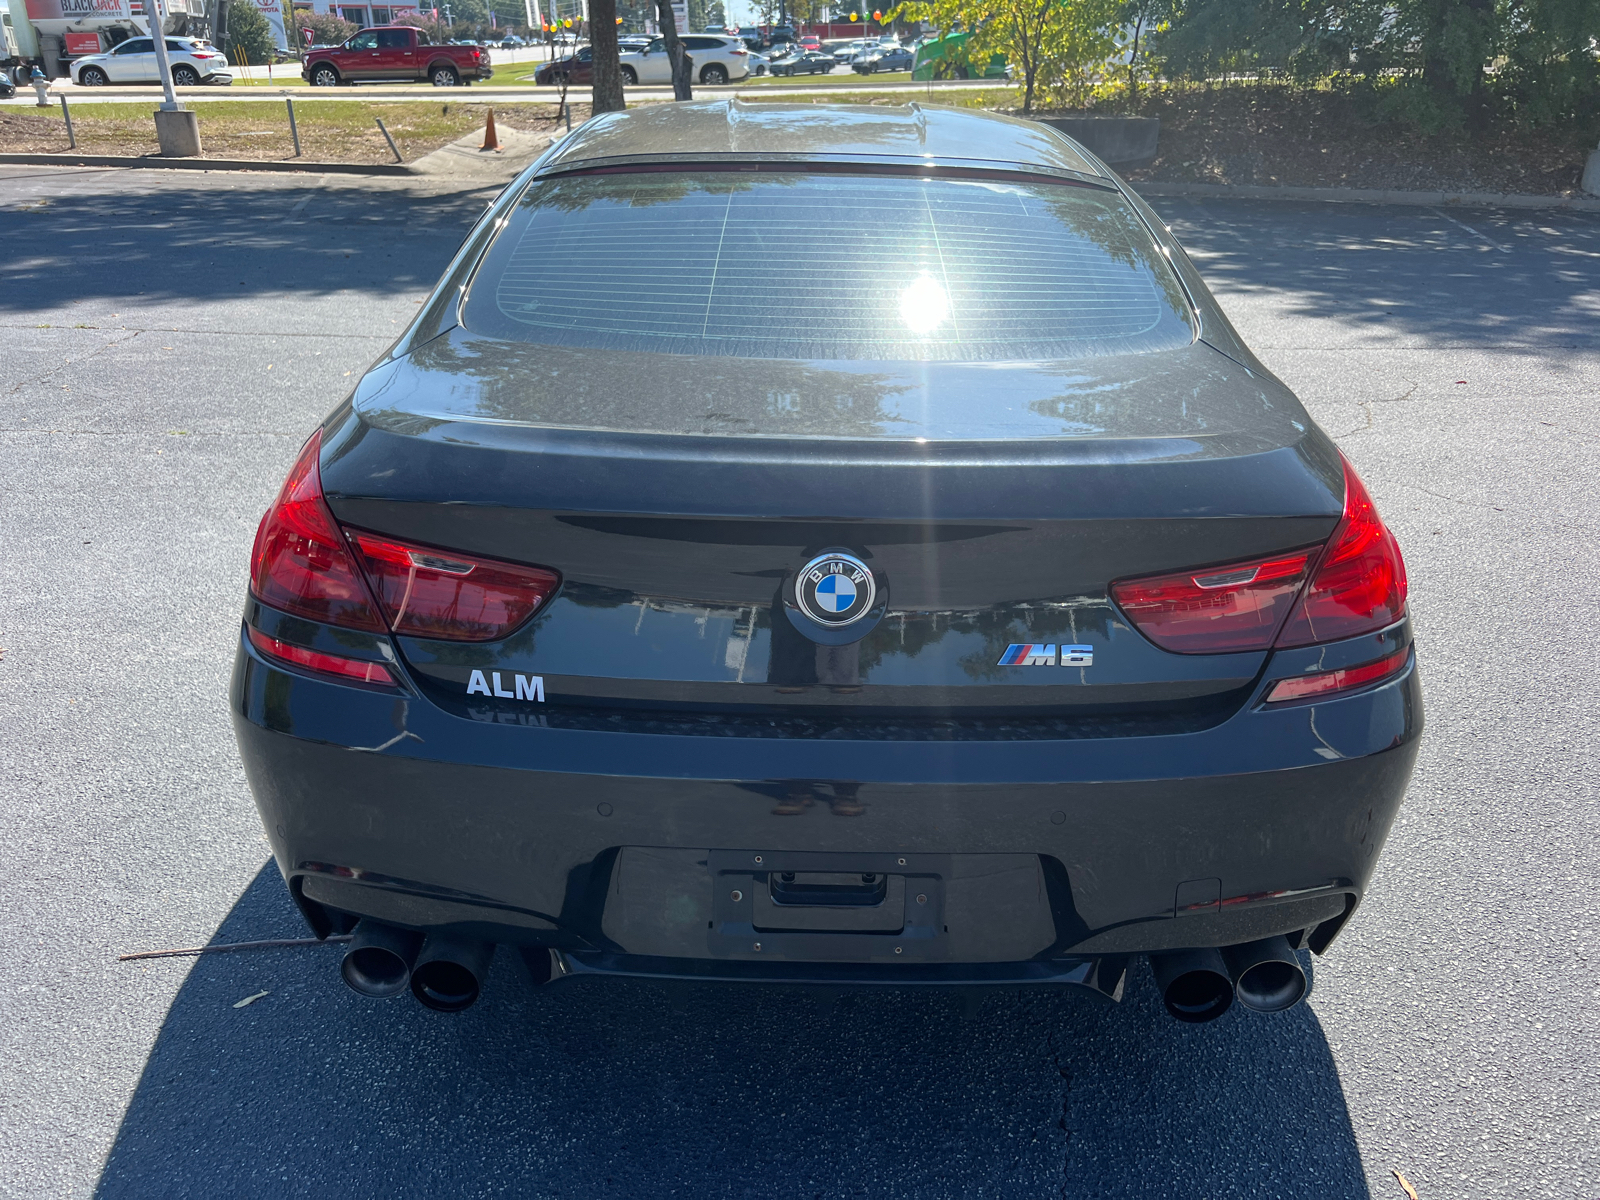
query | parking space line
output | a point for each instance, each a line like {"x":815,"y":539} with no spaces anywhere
{"x":300,"y":204}
{"x":1472,"y":231}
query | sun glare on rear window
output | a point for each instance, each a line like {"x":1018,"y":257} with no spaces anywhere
{"x":827,"y":267}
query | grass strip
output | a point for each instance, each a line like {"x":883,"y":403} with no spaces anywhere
{"x":258,"y":130}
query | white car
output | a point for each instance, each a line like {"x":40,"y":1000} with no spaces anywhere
{"x":848,"y":52}
{"x":134,"y":61}
{"x":717,"y":59}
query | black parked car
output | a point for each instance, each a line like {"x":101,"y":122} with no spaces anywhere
{"x":976,"y":611}
{"x":804,"y":62}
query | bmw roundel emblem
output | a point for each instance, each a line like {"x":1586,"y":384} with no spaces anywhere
{"x":835,"y":589}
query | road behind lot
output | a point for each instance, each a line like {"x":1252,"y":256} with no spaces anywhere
{"x":165,"y":345}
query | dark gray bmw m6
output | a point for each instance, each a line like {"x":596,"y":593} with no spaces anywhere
{"x":969,"y":609}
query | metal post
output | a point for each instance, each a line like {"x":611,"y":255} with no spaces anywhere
{"x":568,"y":109}
{"x":388,"y":139}
{"x":156,"y":16}
{"x":72,"y":141}
{"x":294,"y":130}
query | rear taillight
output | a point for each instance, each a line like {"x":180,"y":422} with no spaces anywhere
{"x":444,"y":594}
{"x":329,"y":664}
{"x":1360,"y":581}
{"x":1217,"y":610}
{"x":1358,"y":585}
{"x":1323,"y":683}
{"x":301,"y":563}
{"x":305,"y":564}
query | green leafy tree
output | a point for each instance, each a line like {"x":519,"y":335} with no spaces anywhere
{"x":1054,"y":44}
{"x":249,"y":34}
{"x":1143,"y":20}
{"x":1551,"y":70}
{"x":1432,"y":62}
{"x":326,"y":29}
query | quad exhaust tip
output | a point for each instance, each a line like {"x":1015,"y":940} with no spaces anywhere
{"x":378,"y":961}
{"x":1200,"y":985}
{"x":1267,"y":975}
{"x":1195,"y":985}
{"x":449,"y":972}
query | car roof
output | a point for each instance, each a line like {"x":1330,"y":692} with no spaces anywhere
{"x":748,"y":130}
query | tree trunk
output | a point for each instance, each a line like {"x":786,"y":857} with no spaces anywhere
{"x":607,"y":95}
{"x":1133,"y":66}
{"x":681,"y":84}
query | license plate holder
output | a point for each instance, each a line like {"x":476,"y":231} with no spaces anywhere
{"x":821,"y":914}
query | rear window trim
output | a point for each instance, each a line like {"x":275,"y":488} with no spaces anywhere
{"x":921,"y":168}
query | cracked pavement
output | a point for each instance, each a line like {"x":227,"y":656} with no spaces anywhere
{"x":167,"y":342}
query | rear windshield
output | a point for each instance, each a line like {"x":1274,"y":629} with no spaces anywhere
{"x":812,"y":266}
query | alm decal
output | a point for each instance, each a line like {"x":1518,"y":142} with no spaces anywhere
{"x":527,"y":687}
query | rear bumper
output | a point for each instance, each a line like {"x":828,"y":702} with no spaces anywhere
{"x":623,"y":848}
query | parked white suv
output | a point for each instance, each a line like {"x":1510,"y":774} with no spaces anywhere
{"x":134,"y":61}
{"x":717,"y":57}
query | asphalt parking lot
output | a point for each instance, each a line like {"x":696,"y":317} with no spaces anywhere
{"x":166,"y":342}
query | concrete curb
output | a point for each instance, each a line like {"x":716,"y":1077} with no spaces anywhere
{"x":204,"y":164}
{"x":1368,"y":196}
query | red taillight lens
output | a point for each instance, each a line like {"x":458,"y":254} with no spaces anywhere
{"x":301,"y":563}
{"x":1360,"y":582}
{"x":328,"y":664}
{"x":1216,"y":610}
{"x":1305,"y":687}
{"x":444,"y":594}
{"x":1358,"y":586}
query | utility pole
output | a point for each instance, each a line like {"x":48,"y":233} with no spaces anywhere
{"x":177,"y":130}
{"x":156,"y":15}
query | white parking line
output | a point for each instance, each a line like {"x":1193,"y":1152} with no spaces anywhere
{"x":1472,"y":231}
{"x":300,"y":204}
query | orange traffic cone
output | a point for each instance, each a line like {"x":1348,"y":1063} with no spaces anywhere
{"x":490,"y":141}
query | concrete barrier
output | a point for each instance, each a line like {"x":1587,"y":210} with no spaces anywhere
{"x":1117,"y":140}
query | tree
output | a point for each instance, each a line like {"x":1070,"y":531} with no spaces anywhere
{"x":606,"y":95}
{"x":326,"y":29}
{"x":1141,"y":18}
{"x":1054,"y":43}
{"x":248,"y":32}
{"x":682,"y":85}
{"x":436,"y":30}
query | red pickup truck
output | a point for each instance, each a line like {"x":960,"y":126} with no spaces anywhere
{"x":394,"y":53}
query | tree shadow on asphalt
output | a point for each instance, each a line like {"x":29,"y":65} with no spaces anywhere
{"x":159,"y":241}
{"x":618,"y":1088}
{"x":1500,"y":278}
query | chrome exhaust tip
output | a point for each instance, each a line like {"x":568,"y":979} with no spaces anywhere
{"x":1195,"y":985}
{"x":449,"y":972}
{"x":1267,"y":975}
{"x":377,"y":963}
